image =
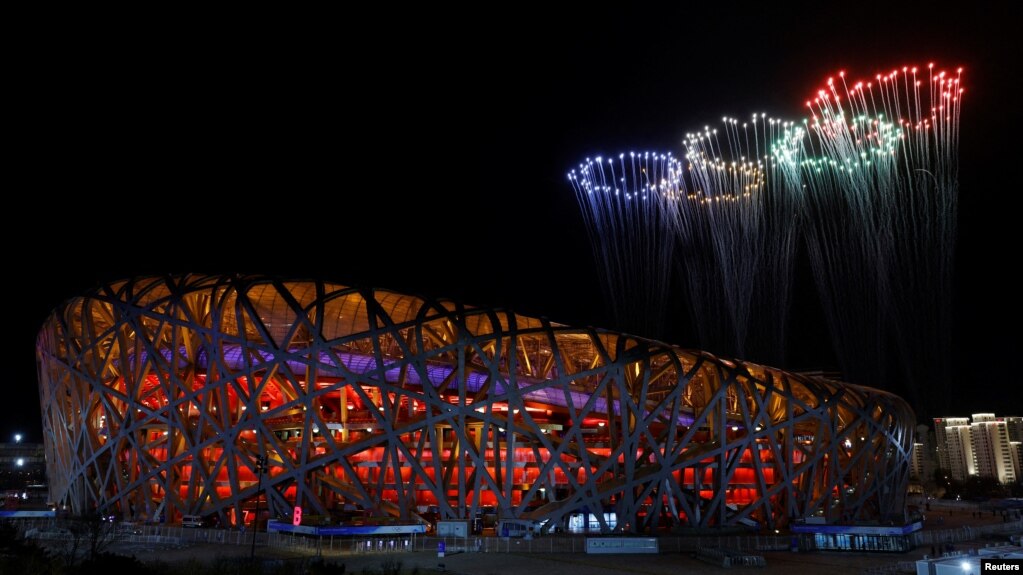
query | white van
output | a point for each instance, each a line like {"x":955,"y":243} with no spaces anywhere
{"x":517,"y":528}
{"x":191,"y":521}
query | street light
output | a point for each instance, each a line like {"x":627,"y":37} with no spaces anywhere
{"x":260,"y":466}
{"x":17,"y":438}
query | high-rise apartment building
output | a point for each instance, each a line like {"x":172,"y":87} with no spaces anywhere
{"x":985,"y":447}
{"x":991,"y":450}
{"x":1016,"y":450}
{"x":1015,"y":426}
{"x":940,"y":424}
{"x":916,"y":461}
{"x":958,"y":442}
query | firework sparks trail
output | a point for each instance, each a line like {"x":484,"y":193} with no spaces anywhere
{"x":870,"y":181}
{"x":622,"y":202}
{"x":881,"y":187}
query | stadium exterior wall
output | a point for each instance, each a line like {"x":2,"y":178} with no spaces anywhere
{"x":158,"y":394}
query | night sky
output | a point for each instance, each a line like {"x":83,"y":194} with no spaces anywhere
{"x":432,"y":160}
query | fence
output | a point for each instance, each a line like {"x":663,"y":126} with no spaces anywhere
{"x":546,"y":544}
{"x":965,"y":533}
{"x":892,"y":568}
{"x":381,"y":544}
{"x":551,"y":544}
{"x":730,"y":558}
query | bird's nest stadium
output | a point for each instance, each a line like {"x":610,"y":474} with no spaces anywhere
{"x":160,"y":394}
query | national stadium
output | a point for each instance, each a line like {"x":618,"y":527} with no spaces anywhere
{"x":161,"y":395}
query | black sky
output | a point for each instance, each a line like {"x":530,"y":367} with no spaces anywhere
{"x":431,"y":157}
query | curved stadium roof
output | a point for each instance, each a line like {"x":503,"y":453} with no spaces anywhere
{"x":159,"y":393}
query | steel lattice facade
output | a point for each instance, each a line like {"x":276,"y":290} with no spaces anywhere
{"x":158,"y":394}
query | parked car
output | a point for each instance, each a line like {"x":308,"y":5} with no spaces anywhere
{"x":192,"y":521}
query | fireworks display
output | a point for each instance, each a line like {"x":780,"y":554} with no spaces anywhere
{"x":739,"y":228}
{"x":622,"y":200}
{"x":880,"y":173}
{"x":722,"y":218}
{"x":868,"y":182}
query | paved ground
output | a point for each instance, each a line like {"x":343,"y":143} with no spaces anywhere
{"x":567,"y":563}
